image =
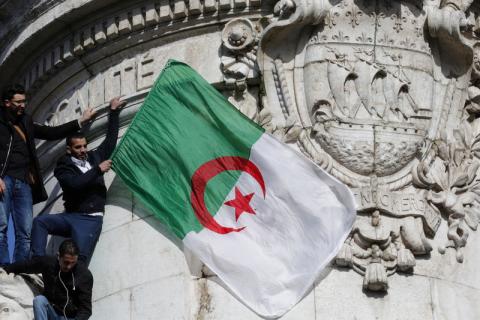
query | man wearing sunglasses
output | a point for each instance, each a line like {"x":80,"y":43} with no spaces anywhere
{"x":21,"y":183}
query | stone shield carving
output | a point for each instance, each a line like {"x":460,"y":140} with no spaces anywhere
{"x":365,"y":109}
{"x":371,"y":89}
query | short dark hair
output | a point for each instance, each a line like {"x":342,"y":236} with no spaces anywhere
{"x":68,"y":247}
{"x":76,"y":135}
{"x":12,"y":90}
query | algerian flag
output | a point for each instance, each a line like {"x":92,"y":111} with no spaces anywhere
{"x":265,"y":219}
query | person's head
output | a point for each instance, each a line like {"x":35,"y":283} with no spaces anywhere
{"x":14,"y":99}
{"x":77,"y":146}
{"x":67,"y":255}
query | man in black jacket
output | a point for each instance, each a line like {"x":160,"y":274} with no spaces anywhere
{"x":67,"y":284}
{"x":80,"y":174}
{"x":21,"y":183}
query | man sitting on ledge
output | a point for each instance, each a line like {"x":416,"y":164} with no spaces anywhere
{"x":67,"y":284}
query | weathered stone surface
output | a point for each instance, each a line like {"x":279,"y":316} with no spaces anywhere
{"x":149,"y":298}
{"x":120,"y":300}
{"x":217,"y":303}
{"x":384,"y":95}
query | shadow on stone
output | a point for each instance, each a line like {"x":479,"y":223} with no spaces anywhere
{"x":139,"y":212}
{"x":374,"y":294}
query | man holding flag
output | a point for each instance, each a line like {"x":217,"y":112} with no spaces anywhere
{"x":262,"y":217}
{"x":80,"y":175}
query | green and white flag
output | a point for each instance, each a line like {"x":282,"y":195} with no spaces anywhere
{"x":265,"y":219}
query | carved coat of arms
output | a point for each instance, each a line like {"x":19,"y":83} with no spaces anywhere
{"x":382,"y":94}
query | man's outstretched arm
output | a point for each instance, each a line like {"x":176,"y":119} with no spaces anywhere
{"x":108,"y":145}
{"x":61,"y":131}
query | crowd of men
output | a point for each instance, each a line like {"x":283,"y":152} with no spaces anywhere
{"x":67,"y":280}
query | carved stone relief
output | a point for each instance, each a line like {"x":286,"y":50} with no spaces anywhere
{"x":377,"y":94}
{"x":16,"y":295}
{"x":239,"y":62}
{"x":128,"y":77}
{"x":149,"y":18}
{"x":364,"y":88}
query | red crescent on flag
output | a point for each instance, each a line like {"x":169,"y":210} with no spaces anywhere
{"x":205,"y":173}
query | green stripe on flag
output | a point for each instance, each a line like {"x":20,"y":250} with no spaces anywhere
{"x":183,"y":123}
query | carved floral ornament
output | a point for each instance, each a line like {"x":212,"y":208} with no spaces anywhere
{"x":365,"y":94}
{"x":240,"y":44}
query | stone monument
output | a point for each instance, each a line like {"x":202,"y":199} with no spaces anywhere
{"x":383,"y":95}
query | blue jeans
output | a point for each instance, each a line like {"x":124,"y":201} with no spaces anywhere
{"x":43,"y":310}
{"x":16,"y":202}
{"x":82,"y":228}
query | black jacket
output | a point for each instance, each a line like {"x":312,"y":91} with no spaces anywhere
{"x":79,"y":283}
{"x":32,"y":131}
{"x":86,"y":192}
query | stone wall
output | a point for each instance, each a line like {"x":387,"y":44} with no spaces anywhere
{"x":381,"y":94}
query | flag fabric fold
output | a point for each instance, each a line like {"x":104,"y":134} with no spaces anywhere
{"x":265,"y":219}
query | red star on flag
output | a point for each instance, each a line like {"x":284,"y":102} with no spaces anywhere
{"x":241,"y":203}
